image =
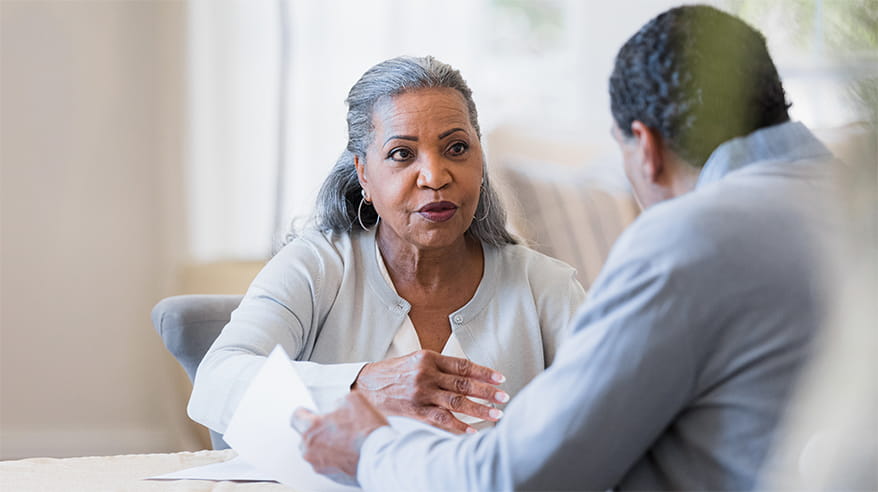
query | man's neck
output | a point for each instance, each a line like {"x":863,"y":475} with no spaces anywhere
{"x":682,"y":177}
{"x":686,"y":180}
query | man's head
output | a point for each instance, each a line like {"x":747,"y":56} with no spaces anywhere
{"x":690,"y":79}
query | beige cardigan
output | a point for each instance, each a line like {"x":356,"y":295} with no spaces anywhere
{"x":324,"y":300}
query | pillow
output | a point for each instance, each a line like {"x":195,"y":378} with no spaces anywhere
{"x":573,"y":213}
{"x":853,"y":143}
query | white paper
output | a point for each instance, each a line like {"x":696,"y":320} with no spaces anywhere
{"x":267,"y":445}
{"x":234,"y":469}
{"x":260,"y":429}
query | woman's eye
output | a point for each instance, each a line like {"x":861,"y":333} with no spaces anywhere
{"x":400,"y":154}
{"x":457,"y":148}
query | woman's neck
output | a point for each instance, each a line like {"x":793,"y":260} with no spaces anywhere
{"x":430,"y":268}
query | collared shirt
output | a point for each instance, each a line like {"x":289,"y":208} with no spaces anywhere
{"x":683,"y":356}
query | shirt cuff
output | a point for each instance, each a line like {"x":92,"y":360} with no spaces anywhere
{"x":367,"y":473}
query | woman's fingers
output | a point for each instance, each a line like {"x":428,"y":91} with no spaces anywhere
{"x":456,"y":402}
{"x":470,"y":387}
{"x":467,"y":368}
{"x":443,"y":419}
{"x":429,"y":386}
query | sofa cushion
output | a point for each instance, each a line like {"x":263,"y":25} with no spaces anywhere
{"x":573,"y":213}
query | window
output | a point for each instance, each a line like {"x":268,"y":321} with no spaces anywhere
{"x":268,"y":80}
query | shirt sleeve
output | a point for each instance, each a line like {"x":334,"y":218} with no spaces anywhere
{"x":281,"y":307}
{"x":617,"y":382}
{"x":558,"y":304}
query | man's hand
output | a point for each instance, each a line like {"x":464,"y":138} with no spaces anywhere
{"x":428,"y":386}
{"x":332,"y":442}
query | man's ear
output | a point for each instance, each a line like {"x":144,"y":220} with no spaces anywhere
{"x":649,"y":143}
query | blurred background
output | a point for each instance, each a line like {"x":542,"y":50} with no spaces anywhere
{"x":154,"y":148}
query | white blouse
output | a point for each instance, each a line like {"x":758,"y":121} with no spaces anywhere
{"x":406,"y":341}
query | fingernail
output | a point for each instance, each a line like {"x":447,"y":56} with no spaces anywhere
{"x":495,"y":414}
{"x":498,"y":378}
{"x":299,"y":420}
{"x":298,"y":424}
{"x":470,"y":430}
{"x":501,"y":396}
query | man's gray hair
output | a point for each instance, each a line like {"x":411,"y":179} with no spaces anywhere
{"x":340,"y":195}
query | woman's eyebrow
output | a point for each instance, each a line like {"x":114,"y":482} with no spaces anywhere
{"x":401,"y":137}
{"x":449,"y":132}
{"x":415,"y":139}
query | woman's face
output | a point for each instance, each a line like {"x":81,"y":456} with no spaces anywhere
{"x":423,"y":169}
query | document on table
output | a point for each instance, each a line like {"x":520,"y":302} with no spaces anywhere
{"x":234,"y":469}
{"x":266,"y":443}
{"x":260,"y":429}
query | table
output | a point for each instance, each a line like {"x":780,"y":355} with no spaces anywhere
{"x":123,"y":472}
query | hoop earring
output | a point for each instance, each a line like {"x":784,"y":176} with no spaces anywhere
{"x":487,"y":207}
{"x":360,"y":210}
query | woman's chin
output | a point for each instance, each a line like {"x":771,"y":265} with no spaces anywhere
{"x":426,"y":234}
{"x":439,"y":237}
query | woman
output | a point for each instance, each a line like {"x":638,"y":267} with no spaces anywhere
{"x":408,"y":275}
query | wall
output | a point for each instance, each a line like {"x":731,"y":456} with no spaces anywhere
{"x":91,"y":217}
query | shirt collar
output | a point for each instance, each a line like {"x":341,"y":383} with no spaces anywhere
{"x":790,"y":141}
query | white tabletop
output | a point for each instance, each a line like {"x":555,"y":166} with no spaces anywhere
{"x":123,"y":472}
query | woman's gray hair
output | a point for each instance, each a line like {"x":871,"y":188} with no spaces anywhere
{"x":340,"y":195}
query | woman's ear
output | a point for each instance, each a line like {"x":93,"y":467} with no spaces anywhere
{"x":649,"y":144}
{"x":361,"y":171}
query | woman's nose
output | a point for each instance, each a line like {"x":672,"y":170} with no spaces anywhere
{"x":433,"y":172}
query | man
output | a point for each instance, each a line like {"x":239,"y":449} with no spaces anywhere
{"x":685,"y":352}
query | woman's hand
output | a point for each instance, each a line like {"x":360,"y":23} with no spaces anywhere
{"x":429,"y":386}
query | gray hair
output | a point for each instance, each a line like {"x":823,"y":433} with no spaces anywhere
{"x":340,"y":195}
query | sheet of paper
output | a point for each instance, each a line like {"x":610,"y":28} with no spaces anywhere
{"x":234,"y":469}
{"x":260,"y":429}
{"x":267,"y":446}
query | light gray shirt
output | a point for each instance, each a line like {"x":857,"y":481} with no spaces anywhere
{"x":324,"y":300}
{"x":683,"y":356}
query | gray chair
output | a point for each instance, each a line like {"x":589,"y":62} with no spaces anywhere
{"x":188,"y":326}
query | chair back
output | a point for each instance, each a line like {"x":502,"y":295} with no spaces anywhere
{"x":188,"y":326}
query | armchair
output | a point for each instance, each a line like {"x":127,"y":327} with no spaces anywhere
{"x":188,"y":326}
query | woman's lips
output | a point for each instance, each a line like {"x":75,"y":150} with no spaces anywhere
{"x":438,"y":211}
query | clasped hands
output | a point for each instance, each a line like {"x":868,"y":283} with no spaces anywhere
{"x":424,"y":385}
